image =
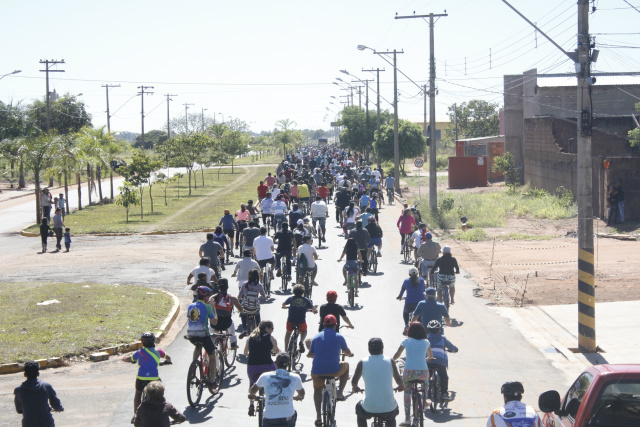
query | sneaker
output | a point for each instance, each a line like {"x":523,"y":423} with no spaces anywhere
{"x":379,"y":253}
{"x":271,"y":275}
{"x":406,"y":422}
{"x":324,"y":240}
{"x":278,"y":273}
{"x":446,"y":397}
{"x":252,"y":411}
{"x":133,"y":420}
{"x":234,"y":346}
{"x":302,"y":349}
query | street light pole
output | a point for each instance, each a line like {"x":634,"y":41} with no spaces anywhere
{"x":186,"y":117}
{"x":107,"y":86}
{"x":8,"y":74}
{"x":203,"y":110}
{"x":142,"y":93}
{"x":377,"y":70}
{"x":168,"y":95}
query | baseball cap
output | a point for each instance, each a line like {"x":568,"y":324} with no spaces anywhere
{"x":300,"y":222}
{"x":430,"y":291}
{"x":329,"y":320}
{"x":332,"y":296}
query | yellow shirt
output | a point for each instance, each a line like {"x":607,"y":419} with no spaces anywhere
{"x":303,"y":191}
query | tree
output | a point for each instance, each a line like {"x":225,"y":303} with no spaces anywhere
{"x":163,"y":181}
{"x":357,"y":133}
{"x":185,"y":150}
{"x":152,"y":139}
{"x":475,"y":119}
{"x":234,"y":143}
{"x":128,"y":197}
{"x":285,"y":135}
{"x":507,"y":166}
{"x":13,"y":129}
{"x":138,"y":174}
{"x":411,"y":141}
{"x":39,"y":155}
{"x":634,"y":135}
{"x":68,"y":115}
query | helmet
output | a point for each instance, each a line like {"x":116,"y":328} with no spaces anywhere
{"x":148,"y":339}
{"x":329,"y":320}
{"x":204,"y":291}
{"x":511,"y":388}
{"x":413,"y":271}
{"x":428,"y":235}
{"x":332,"y":296}
{"x":446,"y":250}
{"x":300,"y":222}
{"x":434,"y":327}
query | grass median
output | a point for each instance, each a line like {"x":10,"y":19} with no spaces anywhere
{"x":182,"y":212}
{"x":87,"y":317}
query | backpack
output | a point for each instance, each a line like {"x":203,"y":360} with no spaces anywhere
{"x":303,"y":264}
{"x":251,"y":300}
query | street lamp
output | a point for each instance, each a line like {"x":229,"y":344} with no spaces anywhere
{"x":396,"y":141}
{"x":8,"y":74}
{"x":203,"y":110}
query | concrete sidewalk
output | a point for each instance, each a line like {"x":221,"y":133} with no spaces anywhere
{"x":553,"y":329}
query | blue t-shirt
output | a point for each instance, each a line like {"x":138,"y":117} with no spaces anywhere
{"x":365,"y":218}
{"x":298,"y":307}
{"x":415,"y":294}
{"x":431,"y":310}
{"x":148,"y":360}
{"x":389,"y":182}
{"x":198,"y":315}
{"x":364,"y":200}
{"x":439,"y":345}
{"x":326,"y":347}
{"x":416,"y":354}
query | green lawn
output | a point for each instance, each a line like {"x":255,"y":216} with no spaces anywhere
{"x":202,"y":209}
{"x":89,"y":317}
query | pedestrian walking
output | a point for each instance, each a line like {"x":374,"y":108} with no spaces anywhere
{"x":35,"y":399}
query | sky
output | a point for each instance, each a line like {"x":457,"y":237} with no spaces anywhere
{"x":263,"y":61}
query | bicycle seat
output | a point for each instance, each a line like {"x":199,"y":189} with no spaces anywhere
{"x":416,"y":382}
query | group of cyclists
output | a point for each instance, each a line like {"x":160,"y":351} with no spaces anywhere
{"x":276,"y":233}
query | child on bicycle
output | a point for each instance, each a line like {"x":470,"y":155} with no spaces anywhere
{"x":224,"y":303}
{"x":148,"y":358}
{"x":439,"y":347}
{"x":298,"y":306}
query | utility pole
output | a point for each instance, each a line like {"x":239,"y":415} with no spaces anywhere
{"x":366,"y":107}
{"x":107,"y":86}
{"x":168,"y":95}
{"x":377,"y":71}
{"x":455,"y":118}
{"x":186,"y":117}
{"x":203,"y":110}
{"x":425,"y":131}
{"x":586,"y":272}
{"x":433,"y":179}
{"x":142,"y":93}
{"x":47,"y":70}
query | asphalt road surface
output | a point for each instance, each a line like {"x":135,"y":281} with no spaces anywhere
{"x":101,"y":394}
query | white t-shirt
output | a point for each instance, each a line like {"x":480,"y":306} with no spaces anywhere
{"x":275,"y":192}
{"x":308,"y":252}
{"x":203,"y":269}
{"x":279,"y":208}
{"x":417,"y":238}
{"x":376,"y":173}
{"x":279,"y":389}
{"x":351,"y":218}
{"x":243,"y":267}
{"x":318,"y":209}
{"x":263,"y":245}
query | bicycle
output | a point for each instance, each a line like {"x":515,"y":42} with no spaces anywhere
{"x":329,"y":400}
{"x":286,"y":272}
{"x":407,"y":250}
{"x":306,"y":282}
{"x":199,"y":372}
{"x":353,"y":278}
{"x":373,"y":260}
{"x":266,"y":279}
{"x":252,"y":322}
{"x":435,"y":391}
{"x":294,"y":350}
{"x":222,"y":342}
{"x":444,"y":293}
{"x":390,"y":195}
{"x":260,"y":406}
{"x":418,"y":400}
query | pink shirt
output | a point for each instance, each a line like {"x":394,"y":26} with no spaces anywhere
{"x":269,"y":180}
{"x":293,"y":190}
{"x":243,"y":216}
{"x":405,"y":223}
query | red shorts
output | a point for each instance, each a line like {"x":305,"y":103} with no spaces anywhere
{"x":302,"y":327}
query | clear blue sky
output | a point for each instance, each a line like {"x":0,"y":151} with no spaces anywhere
{"x":262,"y":61}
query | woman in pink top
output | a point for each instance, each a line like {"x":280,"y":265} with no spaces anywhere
{"x":405,"y":225}
{"x":243,"y":216}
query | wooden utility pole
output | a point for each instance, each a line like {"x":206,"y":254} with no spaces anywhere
{"x":168,"y":95}
{"x":377,"y":71}
{"x":107,"y":86}
{"x":433,"y":179}
{"x":586,"y":272}
{"x":142,"y":93}
{"x":47,"y":70}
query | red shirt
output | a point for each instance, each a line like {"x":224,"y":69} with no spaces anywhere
{"x":262,"y":191}
{"x":288,"y":173}
{"x":270,"y":180}
{"x":323,"y":192}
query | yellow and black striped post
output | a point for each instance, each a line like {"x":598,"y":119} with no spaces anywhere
{"x":586,"y":302}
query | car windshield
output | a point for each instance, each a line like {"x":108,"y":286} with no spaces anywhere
{"x":618,"y":405}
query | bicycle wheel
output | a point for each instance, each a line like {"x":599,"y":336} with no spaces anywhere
{"x":445,"y":296}
{"x":265,"y":280}
{"x":293,"y":350}
{"x":195,"y":383}
{"x":373,"y":261}
{"x":327,"y":411}
{"x":352,"y":290}
{"x":307,"y":286}
{"x":434,"y":391}
{"x":417,"y":419}
{"x":217,"y":380}
{"x":230,"y":355}
{"x":260,"y":410}
{"x":407,"y":252}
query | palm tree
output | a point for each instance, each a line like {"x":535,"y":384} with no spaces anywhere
{"x":283,"y":133}
{"x":96,"y":141}
{"x":40,"y":154}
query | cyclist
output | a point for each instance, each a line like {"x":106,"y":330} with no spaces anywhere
{"x":279,"y":209}
{"x":214,"y":251}
{"x":334,"y":309}
{"x":203,"y":268}
{"x":448,"y":267}
{"x":389,"y":184}
{"x":36,"y":399}
{"x":325,"y":350}
{"x":229,"y":226}
{"x":293,"y":191}
{"x":243,"y":268}
{"x":258,"y":349}
{"x":155,"y":410}
{"x":303,"y":193}
{"x":308,"y":229}
{"x":253,"y":212}
{"x":377,"y":372}
{"x":373,"y":205}
{"x":361,"y":236}
{"x":350,"y":215}
{"x":249,"y":235}
{"x":415,"y":288}
{"x":319,"y":213}
{"x":375,"y":235}
{"x":405,"y":224}
{"x":514,"y":412}
{"x":224,"y":303}
{"x":295,"y":215}
{"x":439,"y":347}
{"x":265,"y":205}
{"x":430,"y":309}
{"x":250,"y":295}
{"x":221,"y":239}
{"x":200,"y":316}
{"x":342,"y":199}
{"x":280,"y":387}
{"x":286,"y":247}
{"x":310,"y":257}
{"x":365,"y":217}
{"x":428,"y":251}
{"x":353,"y":255}
{"x":269,"y":180}
{"x":415,"y":365}
{"x":417,"y":238}
{"x":298,"y":306}
{"x":263,"y":251}
{"x":242,"y":216}
{"x":323,"y":191}
{"x":262,"y":191}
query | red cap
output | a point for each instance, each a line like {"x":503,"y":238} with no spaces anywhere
{"x":329,"y":320}
{"x":332,"y":296}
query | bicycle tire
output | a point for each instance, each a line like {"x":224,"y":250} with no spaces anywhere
{"x":292,"y":350}
{"x":195,"y":383}
{"x":406,"y":252}
{"x":230,"y":355}
{"x":260,"y":411}
{"x":373,"y":262}
{"x":251,"y":323}
{"x":217,"y":385}
{"x":307,"y":286}
{"x":327,"y":413}
{"x":418,"y":416}
{"x":352,"y":291}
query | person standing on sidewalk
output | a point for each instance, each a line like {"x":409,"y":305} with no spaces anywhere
{"x":45,"y":202}
{"x":44,"y":233}
{"x":35,"y":399}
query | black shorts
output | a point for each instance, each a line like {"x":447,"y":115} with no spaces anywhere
{"x":206,"y":342}
{"x":263,"y":262}
{"x":230,"y":232}
{"x":223,"y":324}
{"x":141,"y":384}
{"x":361,"y":413}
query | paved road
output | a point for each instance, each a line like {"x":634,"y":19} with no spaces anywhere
{"x":491,"y":352}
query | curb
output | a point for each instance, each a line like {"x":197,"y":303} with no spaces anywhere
{"x":26,"y":233}
{"x":55,"y":362}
